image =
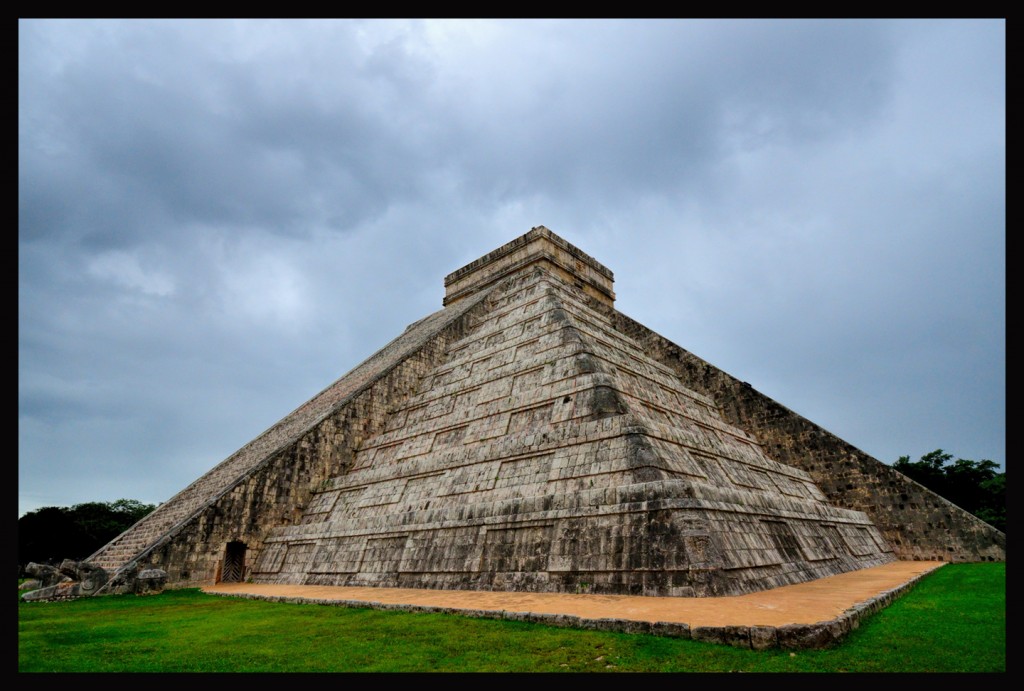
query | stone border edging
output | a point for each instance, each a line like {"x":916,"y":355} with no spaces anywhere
{"x":822,"y":634}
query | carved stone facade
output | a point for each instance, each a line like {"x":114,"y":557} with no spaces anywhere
{"x":919,"y":524}
{"x":528,"y":436}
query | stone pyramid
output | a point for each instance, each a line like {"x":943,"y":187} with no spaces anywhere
{"x":546,"y":451}
{"x":528,"y":436}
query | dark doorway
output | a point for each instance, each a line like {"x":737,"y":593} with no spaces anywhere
{"x":234,"y":563}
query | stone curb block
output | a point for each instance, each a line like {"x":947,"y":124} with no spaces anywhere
{"x":671,"y":628}
{"x":763,"y":637}
{"x":736,"y":636}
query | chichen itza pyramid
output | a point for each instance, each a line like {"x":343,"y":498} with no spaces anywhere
{"x":528,"y":436}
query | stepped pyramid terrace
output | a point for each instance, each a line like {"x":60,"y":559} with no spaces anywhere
{"x":528,"y":436}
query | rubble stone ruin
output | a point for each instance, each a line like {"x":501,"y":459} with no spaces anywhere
{"x":528,"y":436}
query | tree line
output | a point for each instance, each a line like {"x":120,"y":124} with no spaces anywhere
{"x":54,"y":533}
{"x":974,"y":486}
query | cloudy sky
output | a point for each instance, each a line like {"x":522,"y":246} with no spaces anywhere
{"x":217,"y":219}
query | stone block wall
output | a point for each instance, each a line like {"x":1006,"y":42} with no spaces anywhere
{"x":531,"y":437}
{"x":919,"y":524}
{"x":547,"y":452}
{"x":276,"y":489}
{"x":539,"y":246}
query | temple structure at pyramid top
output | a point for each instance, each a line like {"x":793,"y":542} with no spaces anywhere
{"x":529,"y":436}
{"x":539,"y":246}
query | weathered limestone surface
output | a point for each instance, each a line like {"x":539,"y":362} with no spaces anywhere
{"x":538,"y":247}
{"x":45,"y":574}
{"x":919,"y":524}
{"x":548,"y":452}
{"x":529,"y":436}
{"x":268,"y":482}
{"x":83,"y":579}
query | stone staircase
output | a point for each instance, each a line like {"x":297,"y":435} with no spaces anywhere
{"x":164,"y":522}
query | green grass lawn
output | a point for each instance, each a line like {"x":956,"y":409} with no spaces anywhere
{"x":953,"y":620}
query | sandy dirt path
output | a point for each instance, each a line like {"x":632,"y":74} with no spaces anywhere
{"x":805,"y":603}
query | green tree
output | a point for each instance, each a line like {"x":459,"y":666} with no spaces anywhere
{"x":974,"y":486}
{"x":993,"y":508}
{"x":53,"y":533}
